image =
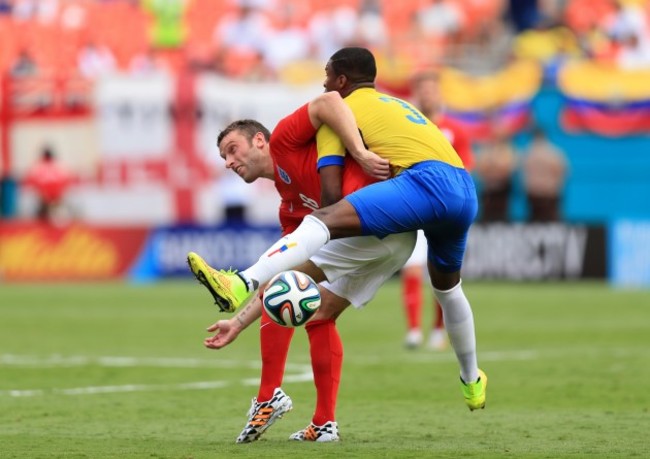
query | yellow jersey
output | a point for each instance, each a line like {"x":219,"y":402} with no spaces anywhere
{"x":393,"y":129}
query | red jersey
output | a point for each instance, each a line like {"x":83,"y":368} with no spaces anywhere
{"x":458,"y":139}
{"x":294,"y":153}
{"x":49,"y":180}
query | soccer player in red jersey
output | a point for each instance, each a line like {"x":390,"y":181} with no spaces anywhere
{"x":50,"y":181}
{"x":352,"y":269}
{"x":426,"y":96}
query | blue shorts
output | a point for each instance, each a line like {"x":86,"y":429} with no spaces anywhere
{"x":432,"y":196}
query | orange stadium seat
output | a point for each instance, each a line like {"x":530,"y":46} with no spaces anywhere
{"x":123,"y":28}
{"x":201,"y":18}
{"x":43,"y":43}
{"x":356,"y":4}
{"x":399,"y":15}
{"x":324,"y":5}
{"x":10,"y":45}
{"x":478,"y":13}
{"x":239,"y":63}
{"x":301,"y":11}
{"x":581,"y":15}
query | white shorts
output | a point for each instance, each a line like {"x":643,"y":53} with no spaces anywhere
{"x":419,"y":255}
{"x":357,"y":266}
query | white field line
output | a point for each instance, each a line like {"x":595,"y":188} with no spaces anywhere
{"x":115,"y":361}
{"x":424,"y":356}
{"x":298,"y":373}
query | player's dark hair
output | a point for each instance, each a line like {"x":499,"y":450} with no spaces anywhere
{"x":247,"y":127}
{"x":357,"y":64}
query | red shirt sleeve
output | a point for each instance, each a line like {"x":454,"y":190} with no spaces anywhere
{"x":459,"y":140}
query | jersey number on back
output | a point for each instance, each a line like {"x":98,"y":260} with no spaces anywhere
{"x":414,"y":116}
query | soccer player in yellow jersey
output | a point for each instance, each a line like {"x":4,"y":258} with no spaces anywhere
{"x":430,"y":190}
{"x":392,"y":128}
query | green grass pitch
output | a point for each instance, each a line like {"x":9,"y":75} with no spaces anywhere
{"x":119,"y":371}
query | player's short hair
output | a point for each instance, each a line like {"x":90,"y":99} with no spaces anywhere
{"x":357,"y":64}
{"x":247,"y":127}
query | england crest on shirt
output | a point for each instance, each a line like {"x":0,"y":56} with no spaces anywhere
{"x":284,"y":176}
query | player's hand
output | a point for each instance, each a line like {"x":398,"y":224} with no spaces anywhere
{"x":224,"y":334}
{"x":374,"y":165}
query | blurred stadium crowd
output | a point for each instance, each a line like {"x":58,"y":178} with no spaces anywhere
{"x":290,"y":39}
{"x":277,"y":39}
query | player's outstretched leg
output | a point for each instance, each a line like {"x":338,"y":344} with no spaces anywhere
{"x":262,"y":415}
{"x":327,"y":432}
{"x":228,"y":288}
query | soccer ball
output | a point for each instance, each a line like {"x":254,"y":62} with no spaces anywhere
{"x":291,"y":298}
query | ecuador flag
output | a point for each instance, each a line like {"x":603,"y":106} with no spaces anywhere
{"x":605,"y":100}
{"x":478,"y":103}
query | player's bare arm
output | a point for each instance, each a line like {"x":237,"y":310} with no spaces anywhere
{"x":226,"y":331}
{"x":329,"y":108}
{"x":331,"y":182}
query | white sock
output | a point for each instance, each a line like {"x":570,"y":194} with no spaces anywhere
{"x":293,"y":249}
{"x":459,"y":322}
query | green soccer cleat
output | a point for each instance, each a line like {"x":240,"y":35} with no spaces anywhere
{"x":474,"y":393}
{"x":227,"y":287}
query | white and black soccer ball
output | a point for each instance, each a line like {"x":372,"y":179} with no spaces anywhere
{"x":291,"y":298}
